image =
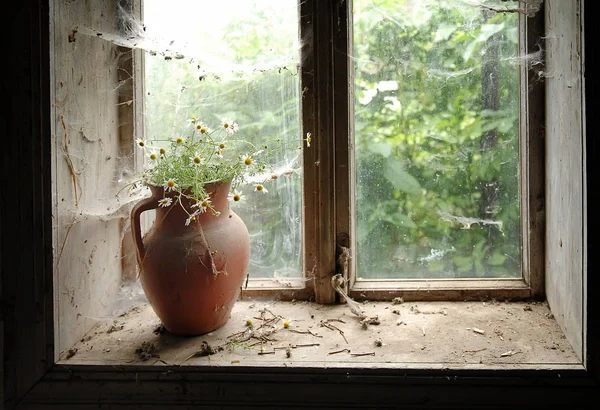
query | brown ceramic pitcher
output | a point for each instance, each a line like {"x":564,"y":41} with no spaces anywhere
{"x":192,"y":275}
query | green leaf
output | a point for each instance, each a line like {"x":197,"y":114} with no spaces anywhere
{"x":395,"y":173}
{"x":444,"y":31}
{"x":399,"y":220}
{"x":382,"y":148}
{"x":497,"y":259}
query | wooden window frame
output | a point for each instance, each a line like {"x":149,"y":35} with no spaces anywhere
{"x":327,"y":106}
{"x":31,"y":379}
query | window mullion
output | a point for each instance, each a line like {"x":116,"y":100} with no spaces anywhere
{"x":343,"y":86}
{"x":316,"y":24}
{"x":532,"y":167}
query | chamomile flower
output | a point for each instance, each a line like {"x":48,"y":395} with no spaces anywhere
{"x":260,"y":188}
{"x":219,"y":154}
{"x":236,"y":197}
{"x":153,"y":156}
{"x":179,"y":140}
{"x":162,"y":151}
{"x":229,"y":126}
{"x":165,"y":202}
{"x":191,"y":218}
{"x":308,"y":139}
{"x":196,"y":160}
{"x":140,"y":143}
{"x":170,"y":185}
{"x":201,"y":127}
{"x":247,"y":160}
{"x":193,"y":120}
{"x":203,"y":205}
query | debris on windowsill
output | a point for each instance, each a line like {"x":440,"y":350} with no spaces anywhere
{"x":476,"y":330}
{"x":339,"y":351}
{"x":114,"y":328}
{"x":326,"y":324}
{"x":398,"y":301}
{"x":71,"y":352}
{"x":527,"y":308}
{"x":509,"y":353}
{"x":159,"y":329}
{"x":415,"y":309}
{"x":337,"y":281}
{"x":378,"y":343}
{"x":362,"y":354}
{"x":147,"y":350}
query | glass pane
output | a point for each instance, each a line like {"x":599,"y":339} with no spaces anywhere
{"x":235,"y":59}
{"x":437,"y":139}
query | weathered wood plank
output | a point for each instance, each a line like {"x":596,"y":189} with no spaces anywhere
{"x":564,"y":168}
{"x":317,"y":107}
{"x":532,"y":168}
{"x":85,"y":96}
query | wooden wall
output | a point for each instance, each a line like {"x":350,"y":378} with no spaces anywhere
{"x":85,"y":135}
{"x":564,"y":167}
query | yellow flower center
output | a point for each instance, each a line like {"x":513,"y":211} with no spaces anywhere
{"x":237,"y":197}
{"x":152,"y":157}
{"x":203,"y":130}
{"x":198,"y":127}
{"x":179,"y":140}
{"x":162,"y":150}
{"x":194,"y":119}
{"x":248,"y":161}
{"x":225,"y":125}
{"x":222,"y":146}
{"x":141,"y":143}
{"x":197,"y":160}
{"x":171,"y":183}
{"x":259,"y":187}
{"x":205,"y":203}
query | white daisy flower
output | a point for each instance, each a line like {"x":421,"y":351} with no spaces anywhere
{"x":247,"y":160}
{"x":191,"y":218}
{"x":196,"y":160}
{"x":236,"y":197}
{"x":170,"y":185}
{"x":230,"y":126}
{"x":140,"y":143}
{"x":165,"y":202}
{"x":201,"y":127}
{"x":260,"y":188}
{"x":202,"y":205}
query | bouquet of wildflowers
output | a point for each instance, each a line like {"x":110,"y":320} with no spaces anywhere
{"x":184,"y":165}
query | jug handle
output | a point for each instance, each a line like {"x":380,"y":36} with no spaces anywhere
{"x":142,"y":206}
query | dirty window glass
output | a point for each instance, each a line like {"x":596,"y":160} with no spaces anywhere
{"x":238,"y":60}
{"x":437,"y":140}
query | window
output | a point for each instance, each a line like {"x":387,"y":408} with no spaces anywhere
{"x":71,"y":101}
{"x":419,"y":170}
{"x":367,"y":199}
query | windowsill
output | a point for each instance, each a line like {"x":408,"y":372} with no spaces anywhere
{"x":496,"y":335}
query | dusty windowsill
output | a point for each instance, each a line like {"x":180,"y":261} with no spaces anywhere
{"x":412,"y":335}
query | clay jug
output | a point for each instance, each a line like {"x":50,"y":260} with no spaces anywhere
{"x":192,"y":275}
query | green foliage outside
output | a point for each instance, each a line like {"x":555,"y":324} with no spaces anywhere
{"x":426,"y":151}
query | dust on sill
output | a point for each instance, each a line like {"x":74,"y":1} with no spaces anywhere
{"x":409,"y":335}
